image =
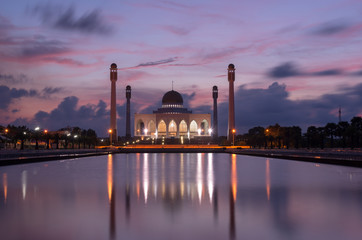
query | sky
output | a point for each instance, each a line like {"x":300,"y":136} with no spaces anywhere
{"x":296,"y":61}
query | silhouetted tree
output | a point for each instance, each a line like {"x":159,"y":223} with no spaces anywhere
{"x":330,"y":130}
{"x":356,"y":133}
{"x":91,"y":138}
{"x":256,"y":137}
{"x":342,"y":132}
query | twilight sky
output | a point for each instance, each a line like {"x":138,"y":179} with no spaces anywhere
{"x":296,"y":61}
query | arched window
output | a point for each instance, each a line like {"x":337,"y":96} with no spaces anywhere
{"x":151,"y":127}
{"x":193,"y":127}
{"x":161,"y":128}
{"x":183,"y":127}
{"x":172,"y":128}
{"x":140,"y":127}
{"x":204,"y":127}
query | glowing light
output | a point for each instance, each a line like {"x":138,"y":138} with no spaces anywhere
{"x":145,"y":176}
{"x":210,"y":131}
{"x":23,"y":183}
{"x":37,"y":129}
{"x":110,"y":130}
{"x":110,"y":176}
{"x":199,"y":131}
{"x":199,"y":176}
{"x":138,"y":175}
{"x":210,"y":176}
{"x":234,"y":176}
{"x":45,"y":131}
{"x":5,"y":185}
{"x":6,"y":130}
{"x":146,"y":130}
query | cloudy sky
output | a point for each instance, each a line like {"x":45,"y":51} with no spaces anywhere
{"x":296,"y":61}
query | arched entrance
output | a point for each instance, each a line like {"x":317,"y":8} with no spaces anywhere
{"x":183,"y":128}
{"x":172,"y":129}
{"x":161,"y":129}
{"x":140,"y":127}
{"x":151,"y":128}
{"x":204,"y":126}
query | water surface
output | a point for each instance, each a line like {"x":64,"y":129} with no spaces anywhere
{"x":180,"y":196}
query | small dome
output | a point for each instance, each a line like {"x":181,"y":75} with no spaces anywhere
{"x":172,"y":97}
{"x":231,"y":66}
{"x":113,"y":65}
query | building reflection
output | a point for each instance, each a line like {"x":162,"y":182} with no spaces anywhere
{"x":5,"y":186}
{"x":111,"y":196}
{"x":267,"y":178}
{"x":233,"y":195}
{"x":158,"y":179}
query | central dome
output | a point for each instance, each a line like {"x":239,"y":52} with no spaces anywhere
{"x":172,"y":97}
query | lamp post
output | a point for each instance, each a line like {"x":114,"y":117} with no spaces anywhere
{"x":234,"y":131}
{"x":6,"y":137}
{"x":210,"y":131}
{"x":110,"y":136}
{"x":47,"y":137}
{"x":36,"y":138}
{"x":22,"y":141}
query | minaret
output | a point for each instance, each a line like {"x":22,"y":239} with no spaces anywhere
{"x":339,"y":115}
{"x":128,"y":113}
{"x":231,"y":122}
{"x":215,"y":127}
{"x":113,"y":125}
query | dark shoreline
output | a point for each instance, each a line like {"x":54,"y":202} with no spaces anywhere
{"x":352,"y":158}
{"x":329,"y":156}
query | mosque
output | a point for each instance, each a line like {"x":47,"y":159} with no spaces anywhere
{"x":172,"y":120}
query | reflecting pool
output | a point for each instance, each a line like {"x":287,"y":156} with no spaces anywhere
{"x":180,"y":196}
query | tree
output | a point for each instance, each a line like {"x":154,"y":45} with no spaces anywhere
{"x":256,"y":137}
{"x":91,"y":138}
{"x":342,"y":132}
{"x":330,"y":130}
{"x":356,"y":124}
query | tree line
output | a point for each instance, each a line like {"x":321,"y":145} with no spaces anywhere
{"x":333,"y":135}
{"x":70,"y":137}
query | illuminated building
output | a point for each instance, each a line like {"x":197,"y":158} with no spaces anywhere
{"x":172,"y":120}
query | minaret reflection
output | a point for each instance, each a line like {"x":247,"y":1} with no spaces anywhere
{"x":210,"y":176}
{"x":111,"y":196}
{"x":128,"y":194}
{"x":24,"y":183}
{"x":138,"y":175}
{"x":5,"y":186}
{"x":233,"y":194}
{"x":145,"y":176}
{"x":267,"y":179}
{"x":199,"y":176}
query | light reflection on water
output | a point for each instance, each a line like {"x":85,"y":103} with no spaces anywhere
{"x":180,"y":196}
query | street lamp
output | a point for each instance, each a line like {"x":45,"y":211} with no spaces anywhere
{"x":234,"y":131}
{"x":110,"y":136}
{"x":36,"y":137}
{"x":47,"y":137}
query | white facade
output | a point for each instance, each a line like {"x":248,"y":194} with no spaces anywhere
{"x":174,"y":125}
